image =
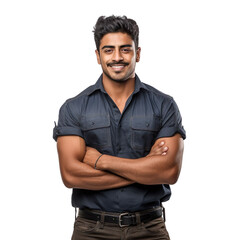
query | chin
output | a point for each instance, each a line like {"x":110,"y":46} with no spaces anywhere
{"x":119,"y":77}
{"x":119,"y":80}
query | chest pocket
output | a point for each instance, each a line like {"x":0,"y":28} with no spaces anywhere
{"x":96,"y":131}
{"x":144,"y":131}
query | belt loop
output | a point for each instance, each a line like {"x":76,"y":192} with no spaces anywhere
{"x":102,"y":220}
{"x":75,"y":213}
{"x":163,"y":212}
{"x":138,"y":219}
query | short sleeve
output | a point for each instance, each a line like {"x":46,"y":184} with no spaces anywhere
{"x":67,"y":123}
{"x":171,"y":120}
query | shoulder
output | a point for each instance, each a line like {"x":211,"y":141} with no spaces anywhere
{"x":80,"y":98}
{"x":74,"y":105}
{"x":161,"y":102}
{"x":157,"y":94}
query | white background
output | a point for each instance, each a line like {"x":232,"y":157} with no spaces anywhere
{"x":190,"y":50}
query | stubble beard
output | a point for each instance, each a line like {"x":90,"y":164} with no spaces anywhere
{"x":120,"y":80}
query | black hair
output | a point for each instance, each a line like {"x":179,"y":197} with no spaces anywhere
{"x":114,"y":24}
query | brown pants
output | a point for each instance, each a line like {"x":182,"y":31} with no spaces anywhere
{"x":85,"y":229}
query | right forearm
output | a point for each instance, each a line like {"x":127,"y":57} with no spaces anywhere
{"x":85,"y":177}
{"x":77,"y":174}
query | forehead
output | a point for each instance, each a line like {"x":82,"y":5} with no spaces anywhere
{"x":116,"y":39}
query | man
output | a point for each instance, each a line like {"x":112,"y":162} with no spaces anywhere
{"x":120,"y":144}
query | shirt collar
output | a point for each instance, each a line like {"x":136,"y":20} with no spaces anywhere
{"x":99,"y":86}
{"x":139,"y":84}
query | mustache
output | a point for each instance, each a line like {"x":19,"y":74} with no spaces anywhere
{"x":117,"y":63}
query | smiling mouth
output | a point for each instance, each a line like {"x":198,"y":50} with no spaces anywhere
{"x":117,"y":66}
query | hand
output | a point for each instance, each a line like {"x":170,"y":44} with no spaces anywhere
{"x":158,"y":149}
{"x":91,"y":156}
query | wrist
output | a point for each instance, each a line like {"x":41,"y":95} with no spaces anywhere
{"x":96,"y":165}
{"x":101,"y":164}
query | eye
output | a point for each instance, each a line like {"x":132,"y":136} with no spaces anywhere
{"x":126,"y":50}
{"x":108,"y":50}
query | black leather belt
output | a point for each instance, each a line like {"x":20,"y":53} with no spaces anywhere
{"x":122,"y":219}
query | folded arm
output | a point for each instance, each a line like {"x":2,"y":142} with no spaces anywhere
{"x":76,"y":174}
{"x":152,"y":169}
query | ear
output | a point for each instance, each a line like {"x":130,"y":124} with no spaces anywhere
{"x":98,"y":56}
{"x":138,"y":54}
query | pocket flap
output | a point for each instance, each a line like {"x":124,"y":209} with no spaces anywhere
{"x":146,"y":123}
{"x":95,"y":122}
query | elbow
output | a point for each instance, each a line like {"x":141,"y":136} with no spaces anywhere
{"x":173,"y":175}
{"x":169,"y":176}
{"x":67,"y":181}
{"x":172,"y":180}
{"x":67,"y":184}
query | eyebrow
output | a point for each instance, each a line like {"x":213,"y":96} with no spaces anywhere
{"x":122,"y":46}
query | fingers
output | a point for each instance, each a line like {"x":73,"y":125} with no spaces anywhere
{"x":157,"y":146}
{"x":161,"y":143}
{"x":164,"y":150}
{"x":159,"y":149}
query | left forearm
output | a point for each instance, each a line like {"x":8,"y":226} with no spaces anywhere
{"x":147,"y":170}
{"x":161,"y":166}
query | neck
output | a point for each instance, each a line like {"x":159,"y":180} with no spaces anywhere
{"x":119,"y":92}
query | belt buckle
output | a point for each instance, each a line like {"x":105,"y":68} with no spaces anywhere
{"x":120,"y":220}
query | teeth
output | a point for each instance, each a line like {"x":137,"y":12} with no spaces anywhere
{"x":118,"y":67}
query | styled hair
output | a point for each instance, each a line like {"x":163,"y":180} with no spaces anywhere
{"x":114,"y":24}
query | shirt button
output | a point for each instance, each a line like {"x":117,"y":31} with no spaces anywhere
{"x":147,"y":124}
{"x":93,"y":123}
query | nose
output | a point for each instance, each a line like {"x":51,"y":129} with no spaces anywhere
{"x":117,"y":56}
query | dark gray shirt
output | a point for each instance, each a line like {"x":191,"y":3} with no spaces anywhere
{"x":148,"y":115}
